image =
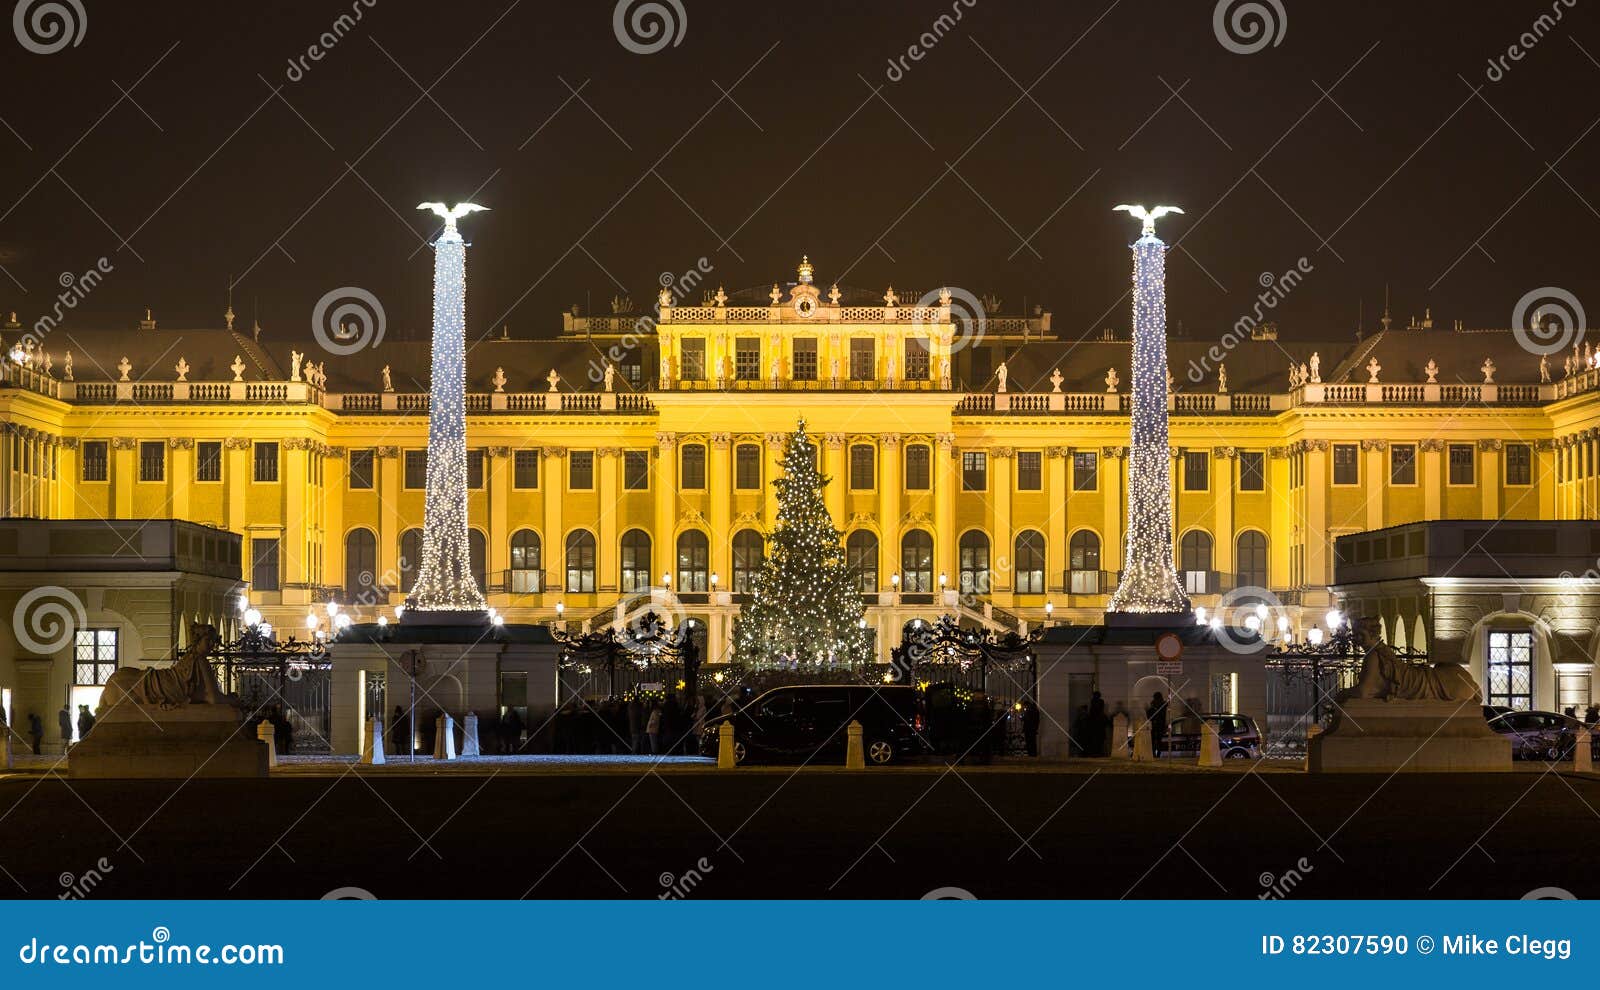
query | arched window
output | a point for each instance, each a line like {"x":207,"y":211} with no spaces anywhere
{"x":1251,"y":557}
{"x":1194,"y":559}
{"x":1083,"y":563}
{"x":1027,"y":564}
{"x":580,"y":561}
{"x":410,"y":558}
{"x":974,"y":550}
{"x":694,"y":561}
{"x":635,"y":560}
{"x":748,"y":551}
{"x":360,"y":567}
{"x":861,"y":556}
{"x":916,"y":562}
{"x":478,"y":557}
{"x":527,"y":564}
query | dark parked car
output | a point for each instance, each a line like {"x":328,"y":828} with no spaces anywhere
{"x":1538,"y":735}
{"x":811,"y":721}
{"x":1238,"y":735}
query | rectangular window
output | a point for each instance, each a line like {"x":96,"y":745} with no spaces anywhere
{"x":694,"y":360}
{"x":918,"y":469}
{"x":525,"y":469}
{"x":917,"y":363}
{"x":1030,"y":471}
{"x":580,"y":470}
{"x":747,"y":466}
{"x":361,"y":469}
{"x":1346,"y":464}
{"x":863,"y":359}
{"x":95,"y":460}
{"x":416,"y":469}
{"x":692,"y":472}
{"x":1085,"y":471}
{"x":974,"y":471}
{"x":1519,"y":469}
{"x":1461,"y":465}
{"x":1196,"y":470}
{"x":1403,"y":464}
{"x":475,"y":469}
{"x":1510,"y":670}
{"x":208,"y":460}
{"x":264,"y":563}
{"x":152,"y":460}
{"x":805,"y":359}
{"x":1252,"y":471}
{"x":266,"y":462}
{"x":636,"y":470}
{"x":94,"y":656}
{"x":747,"y":359}
{"x":861,"y":468}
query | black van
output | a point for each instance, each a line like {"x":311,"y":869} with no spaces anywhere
{"x":810,"y":722}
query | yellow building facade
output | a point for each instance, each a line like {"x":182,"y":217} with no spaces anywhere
{"x":974,"y":466}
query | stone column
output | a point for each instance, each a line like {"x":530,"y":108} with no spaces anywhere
{"x":1113,"y":461}
{"x":1058,"y":490}
{"x":1432,"y":477}
{"x":180,"y":475}
{"x":609,"y":459}
{"x":833,"y":465}
{"x":123,"y":473}
{"x":1373,"y":482}
{"x":773,"y":468}
{"x":236,"y":482}
{"x":1001,"y":460}
{"x":497,"y":465}
{"x":387,"y":465}
{"x":719,"y":484}
{"x":1489,"y":477}
{"x":1544,"y":476}
{"x":946,"y":480}
{"x":662,"y":548}
{"x":891,"y":482}
{"x":1282,"y":515}
{"x":1223,"y":461}
{"x":330,"y":521}
{"x":68,"y":468}
{"x":1316,"y":518}
{"x":553,"y":479}
{"x":296,"y":452}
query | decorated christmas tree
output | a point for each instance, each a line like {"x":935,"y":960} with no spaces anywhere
{"x":805,"y":607}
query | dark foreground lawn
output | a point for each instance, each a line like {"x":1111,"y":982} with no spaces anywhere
{"x":882,"y":834}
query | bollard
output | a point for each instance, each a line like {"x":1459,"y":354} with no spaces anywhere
{"x":725,"y":759}
{"x":1210,"y":745}
{"x":1119,"y":736}
{"x":265,"y":733}
{"x":444,"y":738}
{"x":1582,"y":753}
{"x":469,"y":743}
{"x":854,"y":757}
{"x":1144,"y":750}
{"x":373,"y":754}
{"x":7,"y":761}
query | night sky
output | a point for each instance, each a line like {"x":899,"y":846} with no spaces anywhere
{"x":948,"y":175}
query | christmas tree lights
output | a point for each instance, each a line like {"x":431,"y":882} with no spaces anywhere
{"x":1149,"y":583}
{"x":805,"y":607}
{"x":444,"y":579}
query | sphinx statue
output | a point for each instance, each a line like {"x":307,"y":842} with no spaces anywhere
{"x":189,"y":681}
{"x":1384,"y":677}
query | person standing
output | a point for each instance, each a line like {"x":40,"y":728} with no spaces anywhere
{"x":1030,"y":726}
{"x":652,"y":729}
{"x":64,"y":720}
{"x":35,"y":731}
{"x":1157,"y":714}
{"x":85,"y":722}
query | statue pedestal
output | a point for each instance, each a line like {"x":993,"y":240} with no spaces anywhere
{"x":1408,"y":736}
{"x":132,"y":740}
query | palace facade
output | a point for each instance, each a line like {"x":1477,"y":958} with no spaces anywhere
{"x":980,"y":470}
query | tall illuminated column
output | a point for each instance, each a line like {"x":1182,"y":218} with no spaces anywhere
{"x":1149,"y":583}
{"x":444,"y":580}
